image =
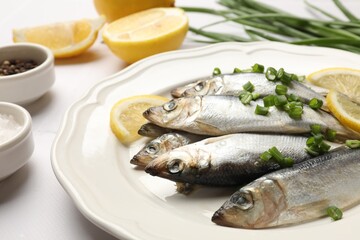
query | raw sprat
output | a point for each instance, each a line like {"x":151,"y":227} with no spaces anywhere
{"x":211,"y":106}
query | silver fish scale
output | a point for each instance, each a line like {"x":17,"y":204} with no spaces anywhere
{"x":221,"y":115}
{"x":295,"y":195}
{"x":235,"y":159}
{"x":329,"y":180}
{"x":229,"y":160}
{"x":232,"y":84}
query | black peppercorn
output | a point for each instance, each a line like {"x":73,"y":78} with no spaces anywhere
{"x":14,"y":66}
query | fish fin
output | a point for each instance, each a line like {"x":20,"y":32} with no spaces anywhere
{"x":325,"y":109}
{"x":316,"y":209}
{"x":208,"y":128}
{"x":185,"y":188}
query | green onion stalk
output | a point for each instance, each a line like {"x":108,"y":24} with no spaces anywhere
{"x":263,"y":22}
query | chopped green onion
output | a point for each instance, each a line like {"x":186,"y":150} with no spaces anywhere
{"x":259,"y":110}
{"x":353,"y":143}
{"x":237,"y":70}
{"x":281,"y":89}
{"x":280,"y":100}
{"x":294,"y":77}
{"x":295,"y":113}
{"x":310,"y":141}
{"x":287,"y":162}
{"x":301,"y":78}
{"x":295,"y":104}
{"x":330,"y":135}
{"x":318,"y":138}
{"x":293,"y":98}
{"x":257,"y":68}
{"x":286,"y":78}
{"x":269,"y":100}
{"x":246,"y":98}
{"x":248,"y":87}
{"x":334,"y":212}
{"x":265,"y":156}
{"x":270,"y":74}
{"x":216,"y":71}
{"x":324,"y":147}
{"x":280,"y":73}
{"x":276,"y":154}
{"x":312,"y":152}
{"x":315,"y":103}
{"x":255,"y":95}
{"x":315,"y":129}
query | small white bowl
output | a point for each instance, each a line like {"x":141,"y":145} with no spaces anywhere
{"x":16,"y":148}
{"x":26,"y":87}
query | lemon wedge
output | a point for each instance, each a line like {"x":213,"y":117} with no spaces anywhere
{"x":126,"y":116}
{"x":344,"y":80}
{"x":146,"y":33}
{"x":65,"y":39}
{"x":115,"y":9}
{"x":346,"y":110}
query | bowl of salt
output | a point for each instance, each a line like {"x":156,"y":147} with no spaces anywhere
{"x":16,"y":139}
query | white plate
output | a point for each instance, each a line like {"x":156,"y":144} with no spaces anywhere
{"x":94,"y":167}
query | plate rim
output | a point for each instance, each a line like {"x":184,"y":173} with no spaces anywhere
{"x":119,"y":231}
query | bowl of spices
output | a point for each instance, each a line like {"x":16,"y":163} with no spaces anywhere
{"x":16,"y":139}
{"x":26,"y":72}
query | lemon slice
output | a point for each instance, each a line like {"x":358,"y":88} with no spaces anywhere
{"x":65,"y":39}
{"x":345,"y":109}
{"x":126,"y":116}
{"x":146,"y":33}
{"x":344,"y":80}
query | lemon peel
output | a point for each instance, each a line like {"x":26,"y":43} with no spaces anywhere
{"x":346,"y":110}
{"x":65,"y":39}
{"x":126,"y":116}
{"x":146,"y":33}
{"x":344,"y":80}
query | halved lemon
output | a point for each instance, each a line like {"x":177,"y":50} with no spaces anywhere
{"x":344,"y":80}
{"x":146,"y":33}
{"x":126,"y":116}
{"x":65,"y":39}
{"x":115,"y":9}
{"x":346,"y":110}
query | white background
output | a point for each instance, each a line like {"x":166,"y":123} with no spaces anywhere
{"x":33,"y":205}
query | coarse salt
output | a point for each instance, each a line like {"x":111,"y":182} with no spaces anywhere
{"x":8,"y":127}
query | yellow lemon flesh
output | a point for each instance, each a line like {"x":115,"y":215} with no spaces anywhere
{"x":115,"y":9}
{"x":65,"y":39}
{"x":126,"y":116}
{"x":344,"y":80}
{"x":346,"y":110}
{"x":146,"y":33}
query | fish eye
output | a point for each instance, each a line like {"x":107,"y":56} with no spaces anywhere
{"x":199,"y":87}
{"x":175,"y":166}
{"x":152,"y":148}
{"x":169,"y":106}
{"x":243,"y":200}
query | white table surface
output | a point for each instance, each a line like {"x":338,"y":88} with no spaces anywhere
{"x":33,"y":205}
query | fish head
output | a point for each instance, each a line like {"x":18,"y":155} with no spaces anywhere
{"x":179,"y":91}
{"x":257,"y":205}
{"x":180,"y":165}
{"x":158,"y":146}
{"x":152,"y":130}
{"x":208,"y":86}
{"x":204,"y":87}
{"x":175,"y":113}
